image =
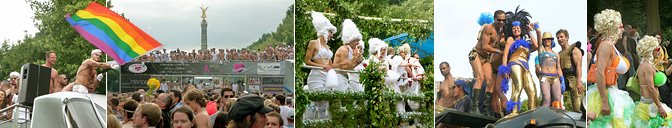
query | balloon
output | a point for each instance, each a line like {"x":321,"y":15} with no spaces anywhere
{"x":153,"y":83}
{"x":659,"y":79}
{"x":622,"y":69}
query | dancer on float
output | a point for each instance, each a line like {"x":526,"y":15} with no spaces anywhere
{"x":348,"y":56}
{"x":479,"y":58}
{"x":572,"y":69}
{"x":551,"y":77}
{"x":318,"y":54}
{"x":519,"y":45}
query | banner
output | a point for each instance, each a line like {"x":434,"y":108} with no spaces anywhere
{"x":197,"y":68}
{"x":269,"y":68}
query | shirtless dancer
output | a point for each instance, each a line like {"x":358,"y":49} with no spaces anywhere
{"x":50,"y":61}
{"x":479,"y":58}
{"x":86,"y":81}
{"x":347,"y":56}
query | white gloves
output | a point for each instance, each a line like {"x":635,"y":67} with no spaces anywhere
{"x":99,"y":77}
{"x":113,"y":64}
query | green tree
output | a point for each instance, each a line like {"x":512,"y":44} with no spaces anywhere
{"x":284,"y":34}
{"x":54,"y":34}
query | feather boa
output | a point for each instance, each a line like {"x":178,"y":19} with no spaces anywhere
{"x":503,"y":71}
{"x":485,"y":18}
{"x":510,"y":105}
{"x":518,"y":44}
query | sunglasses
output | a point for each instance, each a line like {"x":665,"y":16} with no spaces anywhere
{"x":228,"y":96}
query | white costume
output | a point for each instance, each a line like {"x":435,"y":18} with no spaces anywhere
{"x":317,"y":78}
{"x":417,"y":71}
{"x":353,"y":78}
{"x":350,"y":33}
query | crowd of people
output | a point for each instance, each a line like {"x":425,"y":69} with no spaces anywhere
{"x":502,"y":56}
{"x":269,"y":54}
{"x":190,"y":107}
{"x":402,"y":71}
{"x":627,"y":76}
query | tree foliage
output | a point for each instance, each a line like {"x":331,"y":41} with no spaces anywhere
{"x":284,"y":34}
{"x":55,"y":34}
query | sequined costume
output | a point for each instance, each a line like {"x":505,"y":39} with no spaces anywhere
{"x":519,"y":54}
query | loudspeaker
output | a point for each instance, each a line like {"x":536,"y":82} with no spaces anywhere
{"x":34,"y":82}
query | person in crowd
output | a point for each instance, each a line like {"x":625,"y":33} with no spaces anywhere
{"x":183,"y":117}
{"x":248,"y":112}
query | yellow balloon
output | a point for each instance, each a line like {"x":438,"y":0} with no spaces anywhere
{"x":153,"y":83}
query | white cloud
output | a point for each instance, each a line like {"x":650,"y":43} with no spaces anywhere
{"x":17,"y":19}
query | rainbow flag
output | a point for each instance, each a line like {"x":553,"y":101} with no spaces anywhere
{"x":111,"y":33}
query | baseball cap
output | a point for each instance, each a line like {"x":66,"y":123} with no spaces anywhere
{"x":248,"y":105}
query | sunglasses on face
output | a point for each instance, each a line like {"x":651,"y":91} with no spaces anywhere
{"x":228,"y":96}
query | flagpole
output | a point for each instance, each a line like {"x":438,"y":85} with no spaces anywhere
{"x":106,"y":77}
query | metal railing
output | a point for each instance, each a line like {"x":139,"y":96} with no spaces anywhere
{"x":15,"y":114}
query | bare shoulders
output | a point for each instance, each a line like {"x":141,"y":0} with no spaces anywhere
{"x":312,"y":43}
{"x":487,"y":29}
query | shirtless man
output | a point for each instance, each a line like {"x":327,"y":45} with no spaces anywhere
{"x":444,"y":98}
{"x":50,"y":61}
{"x":348,"y":56}
{"x":86,"y":80}
{"x":479,"y":58}
{"x":62,"y":82}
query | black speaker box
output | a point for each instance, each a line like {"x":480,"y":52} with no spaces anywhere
{"x":34,"y":82}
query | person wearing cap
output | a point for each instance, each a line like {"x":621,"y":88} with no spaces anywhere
{"x":460,"y":92}
{"x":248,"y":112}
{"x":551,"y":77}
{"x":571,"y":63}
{"x":196,"y":101}
{"x":14,"y":82}
{"x":86,"y":80}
